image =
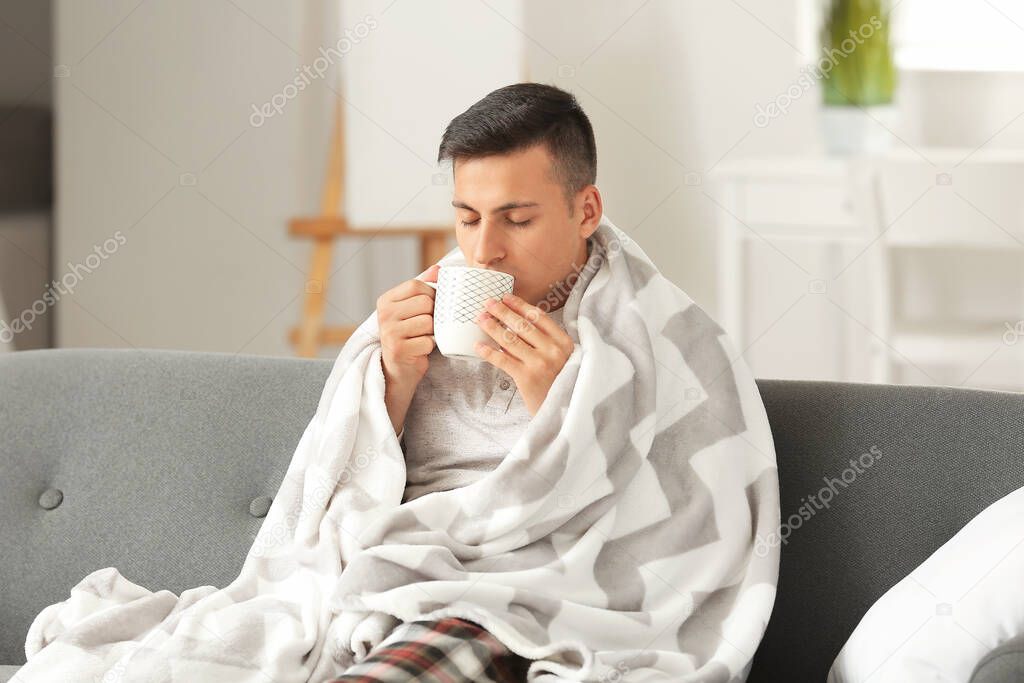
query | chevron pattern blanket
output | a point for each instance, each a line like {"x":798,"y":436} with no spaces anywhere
{"x":621,"y":539}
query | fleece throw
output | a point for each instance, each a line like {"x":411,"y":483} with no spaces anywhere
{"x":623,"y":538}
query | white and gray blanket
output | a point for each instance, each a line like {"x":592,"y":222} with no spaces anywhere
{"x":621,"y":539}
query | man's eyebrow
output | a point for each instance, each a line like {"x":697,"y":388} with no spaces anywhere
{"x":504,"y":207}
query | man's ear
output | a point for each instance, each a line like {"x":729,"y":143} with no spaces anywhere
{"x":591,"y":208}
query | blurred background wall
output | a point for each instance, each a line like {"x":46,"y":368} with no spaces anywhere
{"x":171,"y":194}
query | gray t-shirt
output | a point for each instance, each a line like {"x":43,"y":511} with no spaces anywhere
{"x":464,"y":418}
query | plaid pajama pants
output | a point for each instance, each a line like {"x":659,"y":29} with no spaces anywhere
{"x":449,"y":650}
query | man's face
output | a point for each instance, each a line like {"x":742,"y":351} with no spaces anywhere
{"x":495,"y":193}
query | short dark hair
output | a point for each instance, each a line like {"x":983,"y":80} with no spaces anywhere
{"x":518,"y":116}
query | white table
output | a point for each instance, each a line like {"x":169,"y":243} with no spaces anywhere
{"x":871,"y":207}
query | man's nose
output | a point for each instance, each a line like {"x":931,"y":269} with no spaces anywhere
{"x":489,"y":248}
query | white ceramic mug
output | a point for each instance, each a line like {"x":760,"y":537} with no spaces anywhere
{"x":461,"y":293}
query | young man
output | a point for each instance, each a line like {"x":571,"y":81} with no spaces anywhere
{"x":524,"y":162}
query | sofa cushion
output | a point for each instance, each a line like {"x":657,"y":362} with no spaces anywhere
{"x":942,"y":618}
{"x":1003,"y":664}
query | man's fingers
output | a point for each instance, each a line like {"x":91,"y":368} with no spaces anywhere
{"x":416,"y":326}
{"x":417,"y":304}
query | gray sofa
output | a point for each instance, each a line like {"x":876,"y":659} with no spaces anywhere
{"x":161,"y":463}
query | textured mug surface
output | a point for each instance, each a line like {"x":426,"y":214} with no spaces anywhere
{"x":461,"y":293}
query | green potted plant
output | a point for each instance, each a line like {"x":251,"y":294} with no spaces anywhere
{"x":858,"y":76}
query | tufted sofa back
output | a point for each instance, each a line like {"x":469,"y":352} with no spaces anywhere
{"x":160,"y":463}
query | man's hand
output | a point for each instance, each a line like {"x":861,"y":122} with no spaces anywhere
{"x":534,"y":348}
{"x":406,"y":317}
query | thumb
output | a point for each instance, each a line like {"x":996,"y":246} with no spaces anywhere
{"x":430,"y":274}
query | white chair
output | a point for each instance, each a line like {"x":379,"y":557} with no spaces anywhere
{"x":969,"y":203}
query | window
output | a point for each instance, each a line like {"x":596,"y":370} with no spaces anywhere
{"x":959,"y":35}
{"x":944,"y":35}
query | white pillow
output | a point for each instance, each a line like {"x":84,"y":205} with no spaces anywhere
{"x":940,"y":620}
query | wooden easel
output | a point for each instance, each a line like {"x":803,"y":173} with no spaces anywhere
{"x":311,"y":333}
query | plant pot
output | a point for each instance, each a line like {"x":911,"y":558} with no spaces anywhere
{"x":858,"y":130}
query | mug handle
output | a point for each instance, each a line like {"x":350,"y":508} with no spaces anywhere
{"x":432,"y":284}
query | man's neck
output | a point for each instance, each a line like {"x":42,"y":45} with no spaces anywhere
{"x":560,"y":288}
